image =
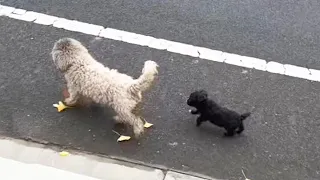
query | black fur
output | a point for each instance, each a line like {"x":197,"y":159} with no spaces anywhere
{"x":220,"y":116}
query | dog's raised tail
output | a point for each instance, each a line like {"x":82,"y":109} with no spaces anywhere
{"x":245,"y":115}
{"x":147,"y":77}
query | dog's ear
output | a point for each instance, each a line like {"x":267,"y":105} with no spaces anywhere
{"x":202,"y":95}
{"x":61,"y":63}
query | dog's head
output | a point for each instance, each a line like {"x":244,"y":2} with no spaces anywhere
{"x":198,"y":97}
{"x":66,"y":51}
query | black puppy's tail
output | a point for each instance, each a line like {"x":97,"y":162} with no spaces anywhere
{"x":244,"y":116}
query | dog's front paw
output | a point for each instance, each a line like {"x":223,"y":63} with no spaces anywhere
{"x":228,"y":135}
{"x":194,"y":111}
{"x":69,"y":102}
{"x":198,"y":123}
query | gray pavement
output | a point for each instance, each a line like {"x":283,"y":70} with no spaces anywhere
{"x":280,"y":140}
{"x":285,"y":31}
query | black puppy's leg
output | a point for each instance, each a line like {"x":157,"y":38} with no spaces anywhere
{"x":241,"y":128}
{"x":230,"y":132}
{"x":194,"y":111}
{"x":199,"y":121}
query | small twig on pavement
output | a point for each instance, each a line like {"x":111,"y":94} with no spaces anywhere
{"x":244,"y":175}
{"x":116,"y":132}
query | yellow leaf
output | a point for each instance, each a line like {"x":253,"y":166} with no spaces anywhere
{"x":60,"y":106}
{"x":64,"y":153}
{"x":147,"y":125}
{"x":124,"y":138}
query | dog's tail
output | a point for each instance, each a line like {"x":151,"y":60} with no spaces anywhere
{"x":147,"y":77}
{"x":244,"y":115}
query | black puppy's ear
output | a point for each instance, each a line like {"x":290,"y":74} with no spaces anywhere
{"x":202,"y":96}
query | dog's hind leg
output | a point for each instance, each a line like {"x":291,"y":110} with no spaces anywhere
{"x":131,"y":119}
{"x":137,"y":110}
{"x":138,"y":127}
{"x":200,"y":120}
{"x":241,"y":128}
{"x":230,"y":132}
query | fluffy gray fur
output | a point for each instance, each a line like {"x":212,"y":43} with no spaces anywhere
{"x":89,"y":79}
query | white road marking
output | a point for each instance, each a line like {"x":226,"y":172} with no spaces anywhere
{"x":45,"y":19}
{"x":184,"y":49}
{"x":5,"y":10}
{"x":275,"y":67}
{"x":19,"y":11}
{"x":210,"y":54}
{"x":161,"y":44}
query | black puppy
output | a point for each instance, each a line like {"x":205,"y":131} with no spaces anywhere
{"x":211,"y":111}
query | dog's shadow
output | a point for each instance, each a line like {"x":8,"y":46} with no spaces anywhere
{"x":98,"y":118}
{"x":207,"y":129}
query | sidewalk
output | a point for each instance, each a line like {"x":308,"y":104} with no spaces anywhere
{"x":26,"y":160}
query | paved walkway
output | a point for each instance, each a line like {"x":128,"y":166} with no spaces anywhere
{"x":26,"y":160}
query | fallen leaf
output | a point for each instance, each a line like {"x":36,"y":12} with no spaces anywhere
{"x":60,"y":106}
{"x":123,"y":138}
{"x":147,"y":125}
{"x":64,"y":153}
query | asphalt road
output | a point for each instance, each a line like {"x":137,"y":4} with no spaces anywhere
{"x":281,"y":140}
{"x":285,"y":31}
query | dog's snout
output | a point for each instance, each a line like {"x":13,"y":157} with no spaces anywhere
{"x":188,"y":101}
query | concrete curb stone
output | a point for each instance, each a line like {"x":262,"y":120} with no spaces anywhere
{"x":38,"y":157}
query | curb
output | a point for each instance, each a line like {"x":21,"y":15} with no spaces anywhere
{"x":43,"y":161}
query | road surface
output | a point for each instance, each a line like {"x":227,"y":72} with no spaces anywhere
{"x":285,"y":31}
{"x":281,"y":140}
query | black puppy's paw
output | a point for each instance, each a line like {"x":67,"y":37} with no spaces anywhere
{"x":193,"y":111}
{"x":198,"y":122}
{"x":229,"y":134}
{"x":238,"y":132}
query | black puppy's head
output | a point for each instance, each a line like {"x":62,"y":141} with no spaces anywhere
{"x":198,"y":97}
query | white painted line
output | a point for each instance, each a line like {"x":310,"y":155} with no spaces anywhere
{"x":255,"y":63}
{"x":5,"y":10}
{"x":184,"y":49}
{"x":27,"y":16}
{"x":296,"y":71}
{"x":45,"y":19}
{"x":161,"y":44}
{"x":85,"y":28}
{"x":315,"y":75}
{"x":110,"y":33}
{"x":210,"y":54}
{"x":19,"y":11}
{"x":233,"y":59}
{"x":61,"y":23}
{"x":138,"y":39}
{"x":275,"y":67}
